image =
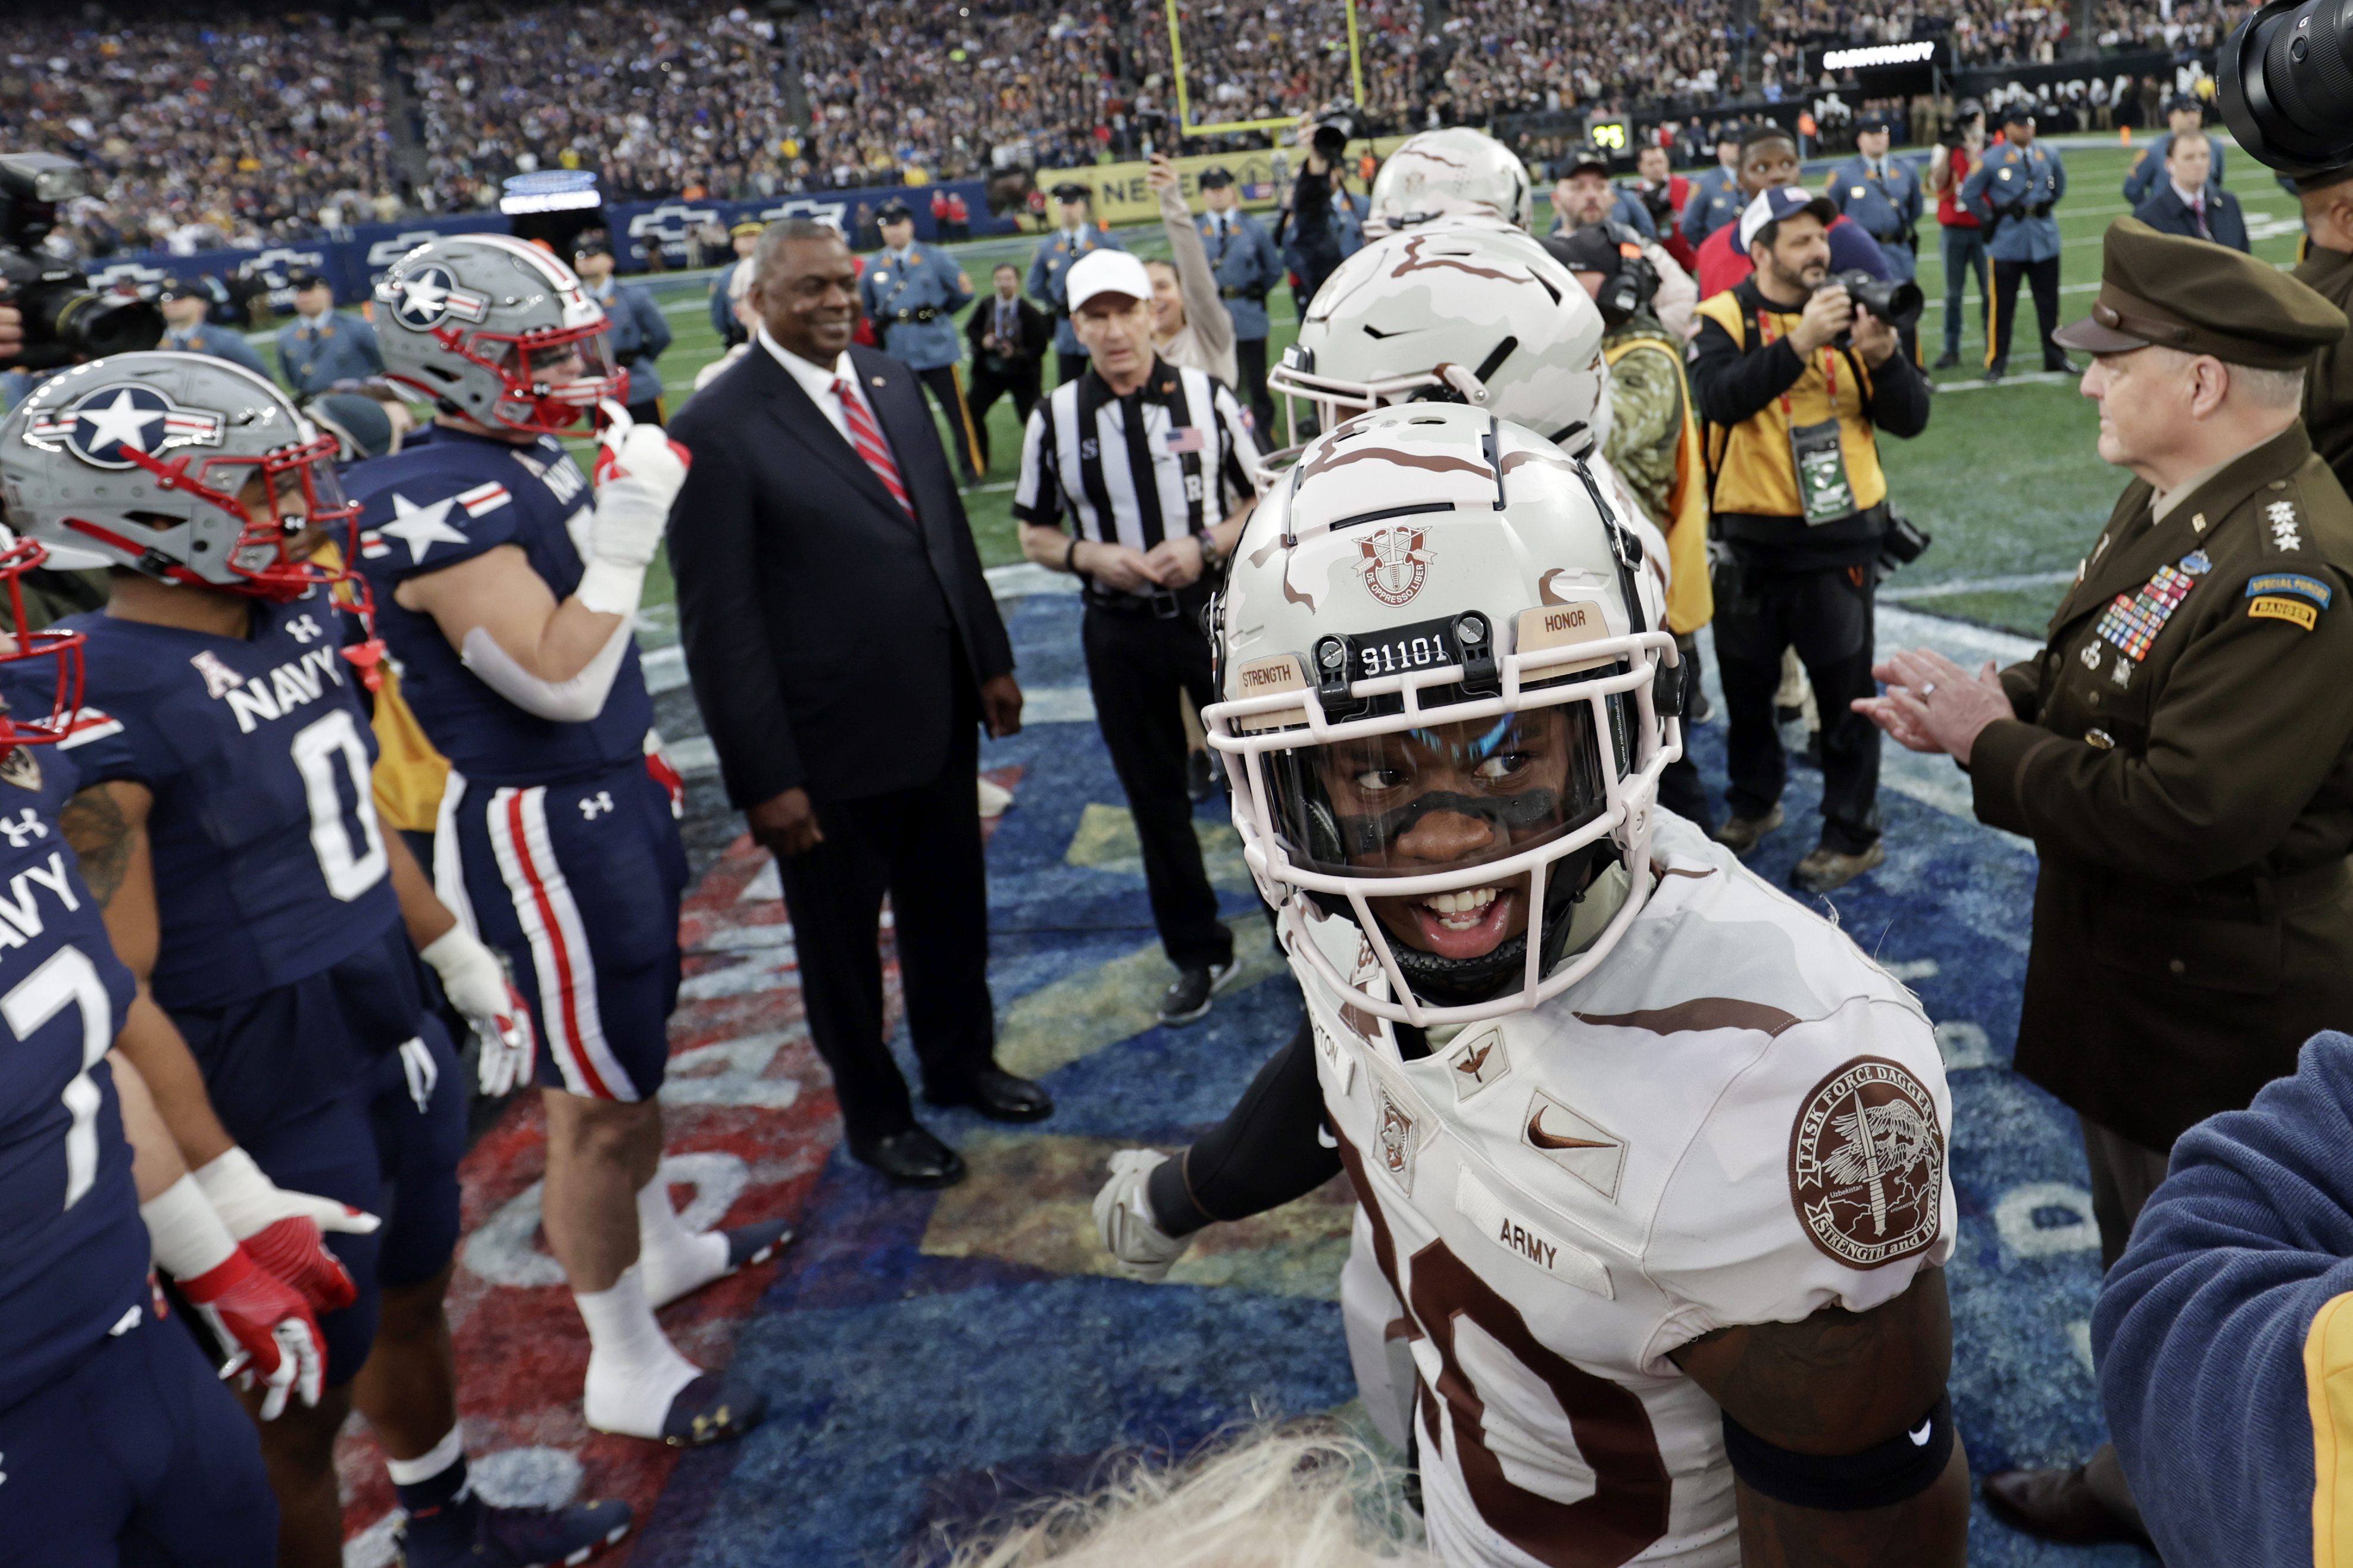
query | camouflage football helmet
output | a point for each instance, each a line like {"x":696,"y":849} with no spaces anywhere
{"x":497,"y":331}
{"x":180,"y":466}
{"x":1452,"y":314}
{"x":1454,"y":176}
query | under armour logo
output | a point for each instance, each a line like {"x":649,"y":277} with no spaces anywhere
{"x":23,"y":828}
{"x":303,"y":629}
{"x":591,"y":808}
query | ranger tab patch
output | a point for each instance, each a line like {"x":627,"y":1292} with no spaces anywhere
{"x":2294,"y":611}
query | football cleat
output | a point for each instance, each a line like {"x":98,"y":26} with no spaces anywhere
{"x":512,"y":1537}
{"x":746,"y":1245}
{"x":711,"y":1410}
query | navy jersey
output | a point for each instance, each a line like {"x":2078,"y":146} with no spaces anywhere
{"x":269,"y":863}
{"x":73,"y":1250}
{"x":448,"y":502}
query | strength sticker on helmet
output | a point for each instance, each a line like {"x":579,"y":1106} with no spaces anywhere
{"x":1266,"y":677}
{"x":1563,"y":625}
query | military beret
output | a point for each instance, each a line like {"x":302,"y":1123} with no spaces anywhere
{"x":1071,"y":190}
{"x":1216,"y":177}
{"x":2204,"y":299}
{"x":894,"y":211}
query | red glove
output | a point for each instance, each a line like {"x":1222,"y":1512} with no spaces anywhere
{"x":281,"y":1230}
{"x":277,"y":1338}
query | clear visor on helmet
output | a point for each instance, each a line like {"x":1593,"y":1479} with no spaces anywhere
{"x":550,"y":379}
{"x":286,"y":503}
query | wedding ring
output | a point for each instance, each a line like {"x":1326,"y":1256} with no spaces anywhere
{"x":1926,"y":689}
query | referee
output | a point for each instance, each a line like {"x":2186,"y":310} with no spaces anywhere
{"x":1143,"y":458}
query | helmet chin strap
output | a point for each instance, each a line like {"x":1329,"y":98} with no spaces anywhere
{"x":1459,"y":982}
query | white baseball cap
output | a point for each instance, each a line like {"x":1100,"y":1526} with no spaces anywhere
{"x":1108,"y":272}
{"x":1778,"y":202}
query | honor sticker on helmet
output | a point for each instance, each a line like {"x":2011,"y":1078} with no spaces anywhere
{"x":1428,"y":812}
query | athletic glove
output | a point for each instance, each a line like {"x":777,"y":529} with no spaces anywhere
{"x":480,"y":987}
{"x":270,"y":1335}
{"x":1124,"y":1216}
{"x":638,"y":472}
{"x":281,"y":1230}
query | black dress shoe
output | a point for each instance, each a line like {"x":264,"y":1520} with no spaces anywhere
{"x":1948,"y":360}
{"x":2056,"y":1505}
{"x":2062,"y":365}
{"x":912,"y":1158}
{"x":996,"y":1094}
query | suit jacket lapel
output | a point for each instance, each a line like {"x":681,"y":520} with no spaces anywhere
{"x":799,"y":415}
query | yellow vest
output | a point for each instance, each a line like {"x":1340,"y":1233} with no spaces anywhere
{"x":1754,"y":472}
{"x":1691,"y":596}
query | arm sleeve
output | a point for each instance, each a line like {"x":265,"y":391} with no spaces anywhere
{"x":1261,"y":1156}
{"x":1204,"y":311}
{"x":2224,"y":1335}
{"x":2058,"y":176}
{"x":2254,"y":717}
{"x":1037,"y":487}
{"x":1636,"y":216}
{"x":1976,"y":195}
{"x":653,"y":327}
{"x":1730,"y":386}
{"x":2022,"y":684}
{"x":722,"y":622}
{"x":1646,"y":430}
{"x":1899,"y":397}
{"x":1835,"y":192}
{"x":1035,"y":284}
{"x":1236,"y":447}
{"x":2137,"y":178}
{"x":722,"y":306}
{"x":236,"y":351}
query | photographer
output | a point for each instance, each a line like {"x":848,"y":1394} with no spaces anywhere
{"x":1793,"y":382}
{"x":1324,"y":225}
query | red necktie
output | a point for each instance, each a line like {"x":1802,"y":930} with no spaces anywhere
{"x":867,"y":437}
{"x":2199,"y":207}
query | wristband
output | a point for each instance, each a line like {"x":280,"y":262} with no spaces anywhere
{"x":243,"y":1197}
{"x":610,"y":588}
{"x":187,"y":1237}
{"x":1071,"y":558}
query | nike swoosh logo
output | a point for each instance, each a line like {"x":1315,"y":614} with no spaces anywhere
{"x":1543,"y":1139}
{"x":1377,"y":334}
{"x":1920,"y":1438}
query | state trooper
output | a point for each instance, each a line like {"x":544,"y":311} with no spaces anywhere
{"x":2012,"y":193}
{"x":1883,"y":193}
{"x":186,"y":307}
{"x":1242,"y":256}
{"x":1717,"y":197}
{"x":322,"y":346}
{"x":639,"y":332}
{"x":912,"y":293}
{"x":1050,"y":271}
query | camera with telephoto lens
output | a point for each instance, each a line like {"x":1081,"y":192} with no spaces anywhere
{"x":65,"y":320}
{"x":1901,"y":545}
{"x":2286,"y":81}
{"x":1956,"y":131}
{"x":1338,"y":125}
{"x":1897,"y":304}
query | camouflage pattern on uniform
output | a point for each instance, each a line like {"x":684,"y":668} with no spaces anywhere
{"x":1646,"y":422}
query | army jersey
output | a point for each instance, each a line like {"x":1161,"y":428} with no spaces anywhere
{"x":1737,"y":1117}
{"x":448,"y":502}
{"x":73,"y":1250}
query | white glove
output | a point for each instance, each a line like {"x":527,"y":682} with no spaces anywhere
{"x":638,"y":473}
{"x":280,"y":1229}
{"x":479,"y":985}
{"x":1124,"y":1216}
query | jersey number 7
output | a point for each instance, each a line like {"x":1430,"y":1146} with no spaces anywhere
{"x":67,"y":978}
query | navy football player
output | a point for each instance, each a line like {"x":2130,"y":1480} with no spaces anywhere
{"x":115,"y":1436}
{"x":225,"y":824}
{"x":506,"y":589}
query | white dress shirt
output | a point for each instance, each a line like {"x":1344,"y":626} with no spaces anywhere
{"x":818,"y":380}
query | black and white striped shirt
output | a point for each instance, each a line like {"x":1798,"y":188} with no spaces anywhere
{"x":1168,"y":459}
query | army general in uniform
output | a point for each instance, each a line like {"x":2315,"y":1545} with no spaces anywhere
{"x":2181,"y":752}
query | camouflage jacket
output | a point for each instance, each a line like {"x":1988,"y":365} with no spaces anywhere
{"x":1646,"y":419}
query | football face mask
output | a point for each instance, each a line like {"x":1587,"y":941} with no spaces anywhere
{"x":285,"y":503}
{"x":552,"y":379}
{"x":30,"y":725}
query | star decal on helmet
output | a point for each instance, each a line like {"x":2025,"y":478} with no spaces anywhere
{"x":103,"y":425}
{"x":424,"y":297}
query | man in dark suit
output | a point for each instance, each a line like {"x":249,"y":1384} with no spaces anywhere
{"x":2187,"y":202}
{"x":1009,"y":338}
{"x":844,"y":647}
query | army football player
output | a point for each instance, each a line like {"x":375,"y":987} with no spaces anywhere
{"x":558,"y":832}
{"x":117,"y":1437}
{"x":226,"y":825}
{"x":1649,"y":1160}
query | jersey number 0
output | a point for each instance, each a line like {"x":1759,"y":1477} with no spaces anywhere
{"x":351,"y":863}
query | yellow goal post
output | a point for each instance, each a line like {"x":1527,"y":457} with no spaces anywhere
{"x":1185,"y":126}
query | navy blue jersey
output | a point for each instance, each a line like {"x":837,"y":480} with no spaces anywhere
{"x":270,"y":862}
{"x":73,"y":1250}
{"x":449,"y":501}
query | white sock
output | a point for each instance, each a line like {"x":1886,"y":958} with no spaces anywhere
{"x":672,"y":1258}
{"x":633,"y":1371}
{"x":427,"y":1465}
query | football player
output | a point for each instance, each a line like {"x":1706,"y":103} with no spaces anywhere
{"x":1456,"y":175}
{"x":506,"y":588}
{"x":116,"y":1438}
{"x":1649,"y":1160}
{"x":225,"y":824}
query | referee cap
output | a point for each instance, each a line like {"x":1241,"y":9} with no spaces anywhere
{"x":1108,"y":272}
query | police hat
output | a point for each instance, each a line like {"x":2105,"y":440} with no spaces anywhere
{"x":591,"y":243}
{"x":2201,"y":297}
{"x":173,"y":288}
{"x":746,"y":226}
{"x":301,"y":277}
{"x":2019,"y":113}
{"x":894,"y":211}
{"x":1216,"y":177}
{"x":1071,"y":190}
{"x":2184,"y":102}
{"x":1876,"y":120}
